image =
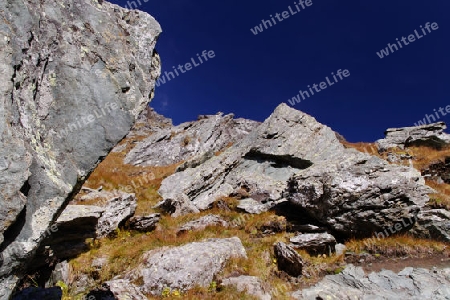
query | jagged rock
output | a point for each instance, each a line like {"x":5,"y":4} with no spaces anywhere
{"x":353,"y":283}
{"x":182,"y":268}
{"x":195,"y":161}
{"x":124,"y":289}
{"x":33,"y":293}
{"x":439,"y":172}
{"x":61,"y":272}
{"x":146,"y":223}
{"x":426,"y":135}
{"x":177,"y":205}
{"x":202,"y":223}
{"x":433,"y":223}
{"x":253,"y":206}
{"x":314,"y":242}
{"x":250,"y":284}
{"x":288,"y":259}
{"x":75,"y":76}
{"x":187,"y":140}
{"x":292,"y":156}
{"x":117,"y":211}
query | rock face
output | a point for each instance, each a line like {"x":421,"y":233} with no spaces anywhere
{"x":182,"y":268}
{"x":426,"y":135}
{"x":288,"y":259}
{"x":74,"y":78}
{"x":193,"y":139}
{"x":439,"y":171}
{"x":146,"y":223}
{"x":291,"y":157}
{"x":353,"y":283}
{"x":433,"y":223}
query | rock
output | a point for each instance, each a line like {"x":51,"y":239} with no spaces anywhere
{"x":74,"y":78}
{"x":433,"y":223}
{"x":117,"y":211}
{"x":33,"y":293}
{"x":340,"y":249}
{"x":288,"y":259}
{"x":144,"y":224}
{"x":182,"y":268}
{"x":314,"y":242}
{"x":62,"y":272}
{"x":431,"y":135}
{"x":292,"y":156}
{"x":124,"y":289}
{"x":250,"y":284}
{"x":439,"y":171}
{"x":199,"y":139}
{"x":353,"y":283}
{"x":202,"y":223}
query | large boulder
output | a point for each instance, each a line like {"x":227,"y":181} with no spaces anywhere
{"x":74,"y":77}
{"x":432,"y":135}
{"x":288,"y":260}
{"x":353,"y":283}
{"x":182,"y":268}
{"x":292,"y":157}
{"x":208,"y":134}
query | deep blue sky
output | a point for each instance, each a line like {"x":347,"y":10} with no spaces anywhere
{"x":252,"y":74}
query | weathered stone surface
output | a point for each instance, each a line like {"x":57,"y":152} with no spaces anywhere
{"x":250,"y":284}
{"x":74,"y":77}
{"x":292,"y":156}
{"x":314,"y":242}
{"x":439,"y":171}
{"x":202,"y":223}
{"x":426,"y":135}
{"x":182,"y":268}
{"x":433,"y":223}
{"x":193,"y":139}
{"x":118,"y":210}
{"x":124,"y":289}
{"x":353,"y":283}
{"x":144,"y":223}
{"x":288,"y":259}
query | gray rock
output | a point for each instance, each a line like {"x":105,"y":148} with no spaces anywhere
{"x":250,"y":284}
{"x":144,"y":223}
{"x":314,"y":242}
{"x":292,"y":156}
{"x":198,"y":140}
{"x":74,"y":77}
{"x":426,"y":135}
{"x":118,"y":210}
{"x":288,"y":259}
{"x":124,"y":289}
{"x":433,"y":223}
{"x":61,"y":272}
{"x":340,"y":249}
{"x":202,"y":223}
{"x":353,"y":283}
{"x":182,"y":268}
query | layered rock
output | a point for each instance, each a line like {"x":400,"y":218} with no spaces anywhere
{"x":182,"y":268}
{"x":74,"y":78}
{"x":208,"y":134}
{"x":314,"y":242}
{"x":288,"y":260}
{"x":292,"y":157}
{"x":425,"y":135}
{"x":250,"y":284}
{"x":353,"y":283}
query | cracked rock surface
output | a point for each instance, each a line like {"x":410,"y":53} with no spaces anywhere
{"x":74,"y":77}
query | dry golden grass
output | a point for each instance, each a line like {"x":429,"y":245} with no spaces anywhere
{"x":398,"y":245}
{"x":369,"y":148}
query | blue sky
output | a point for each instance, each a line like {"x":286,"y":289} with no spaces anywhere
{"x":252,"y":74}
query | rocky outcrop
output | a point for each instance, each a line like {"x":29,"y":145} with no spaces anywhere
{"x":292,"y":157}
{"x":439,"y":171}
{"x":250,"y":284}
{"x":288,"y":260}
{"x":209,"y":134}
{"x":314,"y":242}
{"x":75,"y":76}
{"x":433,"y":223}
{"x":425,"y":135}
{"x":353,"y":283}
{"x":182,"y":268}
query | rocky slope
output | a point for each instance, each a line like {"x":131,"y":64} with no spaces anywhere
{"x":75,"y":76}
